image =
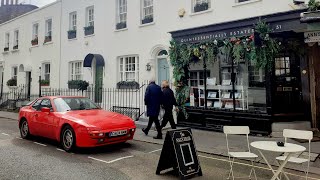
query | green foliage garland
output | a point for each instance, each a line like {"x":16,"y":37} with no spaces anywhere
{"x":313,"y":5}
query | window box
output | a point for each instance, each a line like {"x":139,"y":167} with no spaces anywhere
{"x":147,"y":20}
{"x":15,"y":47}
{"x":34,"y":42}
{"x":44,"y":82}
{"x":47,"y":39}
{"x":121,"y":25}
{"x":78,"y":84}
{"x":201,"y":7}
{"x":12,"y":82}
{"x":6,"y":49}
{"x":72,"y":34}
{"x":89,"y":30}
{"x":128,"y":85}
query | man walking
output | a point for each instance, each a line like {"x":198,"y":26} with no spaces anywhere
{"x":168,"y":102}
{"x":153,"y":99}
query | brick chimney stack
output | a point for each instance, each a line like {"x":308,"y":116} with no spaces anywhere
{"x":17,"y":1}
{"x":2,"y":2}
{"x":7,"y":2}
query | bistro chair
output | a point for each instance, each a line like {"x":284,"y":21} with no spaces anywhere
{"x":239,"y":130}
{"x":297,"y":134}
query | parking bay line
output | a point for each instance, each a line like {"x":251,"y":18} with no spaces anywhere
{"x":5,"y":134}
{"x":61,"y":150}
{"x":259,"y":167}
{"x":18,"y":138}
{"x":109,"y":162}
{"x":154,"y":151}
{"x":40,"y":144}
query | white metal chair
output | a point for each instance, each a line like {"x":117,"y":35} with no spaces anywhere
{"x":239,"y":130}
{"x":297,"y":134}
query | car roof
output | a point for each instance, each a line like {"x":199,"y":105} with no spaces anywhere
{"x":55,"y":97}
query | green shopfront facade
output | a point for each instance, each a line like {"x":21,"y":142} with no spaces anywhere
{"x":229,"y":92}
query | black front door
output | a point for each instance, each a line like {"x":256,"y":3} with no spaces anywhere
{"x":28,"y":84}
{"x":287,"y":92}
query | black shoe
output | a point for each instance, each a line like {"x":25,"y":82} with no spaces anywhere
{"x":145,"y":131}
{"x":158,"y":137}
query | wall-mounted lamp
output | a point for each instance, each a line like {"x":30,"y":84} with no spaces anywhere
{"x":181,"y":12}
{"x":148,"y":67}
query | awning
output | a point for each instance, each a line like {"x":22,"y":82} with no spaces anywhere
{"x":88,"y":60}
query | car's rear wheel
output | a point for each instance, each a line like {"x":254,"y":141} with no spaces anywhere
{"x":68,"y":138}
{"x":24,"y":129}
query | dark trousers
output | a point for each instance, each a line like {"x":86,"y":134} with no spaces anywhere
{"x":168,"y":117}
{"x":156,"y":122}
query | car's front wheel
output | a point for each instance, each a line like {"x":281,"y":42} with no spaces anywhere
{"x":68,"y":138}
{"x":24,"y":129}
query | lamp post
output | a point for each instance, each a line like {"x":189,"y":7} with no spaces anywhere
{"x":203,"y":57}
{"x":39,"y":81}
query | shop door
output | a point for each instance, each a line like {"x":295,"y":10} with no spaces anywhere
{"x":98,"y":83}
{"x":287,"y":86}
{"x":163,"y":70}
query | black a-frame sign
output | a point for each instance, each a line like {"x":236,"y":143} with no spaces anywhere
{"x":179,"y":153}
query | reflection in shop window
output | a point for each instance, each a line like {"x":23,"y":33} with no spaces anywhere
{"x":282,"y":66}
{"x":256,"y":77}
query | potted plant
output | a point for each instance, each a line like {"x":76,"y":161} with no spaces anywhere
{"x":34,"y":41}
{"x":6,"y":49}
{"x":88,"y":30}
{"x":121,"y":25}
{"x":147,"y":19}
{"x":44,"y":82}
{"x":72,"y":34}
{"x":16,"y":47}
{"x":47,"y":39}
{"x":83,"y":85}
{"x":12,"y":82}
{"x":128,"y":85}
{"x":201,"y":7}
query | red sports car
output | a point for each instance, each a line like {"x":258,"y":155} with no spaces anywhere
{"x":74,"y":122}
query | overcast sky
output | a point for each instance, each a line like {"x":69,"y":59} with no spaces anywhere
{"x":38,"y":3}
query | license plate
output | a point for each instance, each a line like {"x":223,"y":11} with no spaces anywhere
{"x":118,"y":133}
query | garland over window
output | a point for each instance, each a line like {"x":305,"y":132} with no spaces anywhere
{"x":259,"y":48}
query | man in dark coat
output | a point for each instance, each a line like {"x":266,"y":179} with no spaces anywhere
{"x":153,"y":100}
{"x":168,"y":102}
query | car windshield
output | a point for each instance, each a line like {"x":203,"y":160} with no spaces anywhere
{"x":73,"y":104}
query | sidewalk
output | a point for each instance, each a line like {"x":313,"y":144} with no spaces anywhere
{"x":215,"y":143}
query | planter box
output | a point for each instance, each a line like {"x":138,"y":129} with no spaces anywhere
{"x":201,"y":7}
{"x":47,"y":39}
{"x":128,"y":85}
{"x":15,"y":47}
{"x":73,"y":86}
{"x":34,"y":42}
{"x":72,"y":34}
{"x":147,"y":20}
{"x":89,"y":30}
{"x":5,"y":49}
{"x":121,"y":25}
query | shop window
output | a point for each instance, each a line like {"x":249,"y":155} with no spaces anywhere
{"x":129,"y":68}
{"x":200,"y":5}
{"x":121,"y":14}
{"x":75,"y":70}
{"x":147,"y":11}
{"x":282,"y":66}
{"x":197,"y":78}
{"x":256,"y":77}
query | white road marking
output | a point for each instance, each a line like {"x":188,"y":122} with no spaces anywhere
{"x":5,"y":134}
{"x":61,"y":150}
{"x":259,"y":167}
{"x":155,"y":151}
{"x":109,"y":162}
{"x":40,"y":144}
{"x":18,"y":138}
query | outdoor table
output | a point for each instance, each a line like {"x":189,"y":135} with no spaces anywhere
{"x":272,"y":146}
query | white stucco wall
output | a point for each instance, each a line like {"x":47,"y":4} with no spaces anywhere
{"x":144,"y":41}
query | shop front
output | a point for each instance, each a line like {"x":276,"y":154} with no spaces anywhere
{"x":232,"y":90}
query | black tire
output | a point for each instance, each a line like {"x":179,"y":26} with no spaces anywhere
{"x":68,"y":139}
{"x":24,"y":129}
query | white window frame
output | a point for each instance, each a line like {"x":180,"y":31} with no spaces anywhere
{"x":194,"y":2}
{"x":73,"y":21}
{"x":127,"y":68}
{"x":48,"y":31}
{"x":44,"y":71}
{"x":147,"y":10}
{"x":35,"y":31}
{"x":90,"y":16}
{"x":76,"y":70}
{"x":14,"y":72}
{"x":122,"y":7}
{"x":7,"y":40}
{"x":16,"y":38}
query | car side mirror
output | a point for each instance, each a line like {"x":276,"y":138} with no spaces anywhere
{"x":45,"y":110}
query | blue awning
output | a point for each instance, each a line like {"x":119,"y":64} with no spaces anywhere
{"x":88,"y":60}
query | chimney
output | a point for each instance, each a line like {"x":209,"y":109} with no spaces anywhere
{"x":7,"y":2}
{"x":11,"y":2}
{"x":17,"y":1}
{"x":2,"y":2}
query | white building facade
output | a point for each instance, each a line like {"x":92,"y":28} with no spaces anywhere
{"x":128,"y":36}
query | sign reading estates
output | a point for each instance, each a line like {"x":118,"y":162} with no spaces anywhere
{"x":179,"y":153}
{"x":310,"y":37}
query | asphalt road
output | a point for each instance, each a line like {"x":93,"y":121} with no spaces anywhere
{"x":42,"y":159}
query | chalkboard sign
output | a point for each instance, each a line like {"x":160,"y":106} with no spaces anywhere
{"x":179,"y":154}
